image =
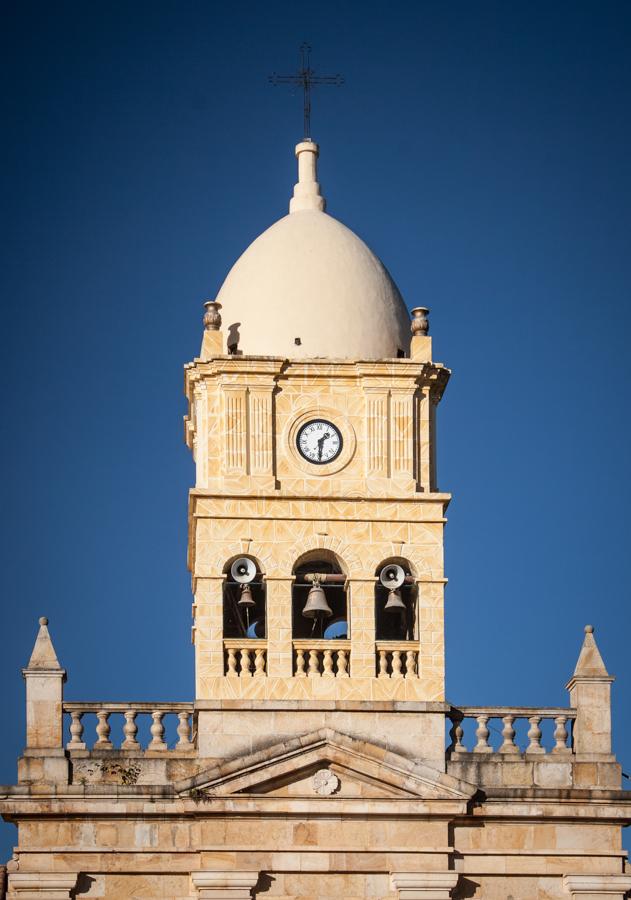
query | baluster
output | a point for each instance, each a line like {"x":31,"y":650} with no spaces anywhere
{"x":103,"y":731}
{"x":482,"y":734}
{"x":396,"y":664}
{"x":560,"y":735}
{"x":455,"y":733}
{"x":342,"y":663}
{"x":328,"y":665}
{"x":183,"y":731}
{"x":157,"y":731}
{"x":130,"y":730}
{"x":508,"y":733}
{"x":383,"y":664}
{"x":314,"y":664}
{"x":410,"y":664}
{"x":76,"y":732}
{"x":300,"y":664}
{"x":232,"y":661}
{"x":259,"y":663}
{"x":534,"y":736}
{"x":245,"y":663}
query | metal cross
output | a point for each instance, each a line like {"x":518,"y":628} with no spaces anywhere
{"x":306,"y":78}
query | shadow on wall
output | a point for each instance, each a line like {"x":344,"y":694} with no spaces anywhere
{"x":466,"y":889}
{"x":263,"y":884}
{"x":84,"y":883}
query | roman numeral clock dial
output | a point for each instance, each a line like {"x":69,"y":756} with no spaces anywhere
{"x":319,"y":441}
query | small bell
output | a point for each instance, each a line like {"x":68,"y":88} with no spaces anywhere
{"x":316,"y":604}
{"x":395,"y":602}
{"x":246,"y":598}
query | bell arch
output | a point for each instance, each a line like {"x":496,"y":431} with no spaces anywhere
{"x":396,"y":605}
{"x":348,"y":559}
{"x":319,"y":603}
{"x":244,"y":598}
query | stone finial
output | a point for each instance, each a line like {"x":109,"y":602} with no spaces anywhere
{"x":212,"y":316}
{"x":44,"y":679}
{"x":212,"y":341}
{"x":307,"y":191}
{"x":590,"y":663}
{"x":421,"y":343}
{"x":590,"y":695}
{"x":420,"y":321}
{"x":43,"y":655}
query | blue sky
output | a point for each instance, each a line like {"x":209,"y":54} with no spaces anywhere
{"x":481,"y":149}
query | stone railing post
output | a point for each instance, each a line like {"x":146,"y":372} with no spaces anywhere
{"x":44,"y":759}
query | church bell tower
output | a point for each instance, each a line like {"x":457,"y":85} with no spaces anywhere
{"x":315,"y":523}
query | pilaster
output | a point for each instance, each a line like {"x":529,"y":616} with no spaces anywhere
{"x":279,"y":640}
{"x":223,"y":885}
{"x":41,"y":886}
{"x":597,"y":887}
{"x":424,"y":885}
{"x":361,"y":598}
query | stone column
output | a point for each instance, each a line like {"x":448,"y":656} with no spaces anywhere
{"x":224,"y":885}
{"x":44,"y":759}
{"x":597,"y":887}
{"x":424,"y":885}
{"x":41,"y":886}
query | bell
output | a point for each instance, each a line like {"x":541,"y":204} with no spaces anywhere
{"x":394,"y":602}
{"x":246,"y":596}
{"x":316,"y":604}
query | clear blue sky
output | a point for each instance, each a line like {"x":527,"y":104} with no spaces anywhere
{"x":482,"y":150}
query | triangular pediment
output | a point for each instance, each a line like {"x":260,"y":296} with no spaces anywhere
{"x":327,"y":763}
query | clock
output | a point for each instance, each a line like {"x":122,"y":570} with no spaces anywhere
{"x":319,"y":441}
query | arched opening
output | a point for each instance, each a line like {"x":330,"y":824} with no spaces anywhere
{"x":244,"y":599}
{"x":395,"y":604}
{"x":319,"y":604}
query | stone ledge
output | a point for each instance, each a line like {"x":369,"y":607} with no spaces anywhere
{"x":405,"y":706}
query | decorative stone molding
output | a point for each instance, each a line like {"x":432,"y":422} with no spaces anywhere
{"x":424,"y":885}
{"x":224,"y":885}
{"x":325,"y":782}
{"x":41,"y":886}
{"x":597,"y":887}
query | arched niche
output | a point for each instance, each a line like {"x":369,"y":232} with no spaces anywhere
{"x":335,"y":626}
{"x":243,"y":620}
{"x":396,"y":623}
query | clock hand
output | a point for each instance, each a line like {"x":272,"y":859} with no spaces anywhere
{"x":321,"y":443}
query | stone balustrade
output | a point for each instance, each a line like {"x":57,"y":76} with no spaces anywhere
{"x":321,"y":658}
{"x":128,"y":713}
{"x":503,"y":721}
{"x":397,"y":659}
{"x":245,"y":658}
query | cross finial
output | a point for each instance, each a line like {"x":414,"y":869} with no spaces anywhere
{"x":307,"y":79}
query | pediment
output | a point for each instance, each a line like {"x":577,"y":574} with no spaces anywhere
{"x":327,"y":763}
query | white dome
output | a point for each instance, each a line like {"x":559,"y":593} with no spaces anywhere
{"x":309,"y":287}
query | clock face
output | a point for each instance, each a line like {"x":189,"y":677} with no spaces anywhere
{"x":319,"y":441}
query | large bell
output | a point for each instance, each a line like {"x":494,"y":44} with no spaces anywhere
{"x":246,"y":598}
{"x":316,"y":604}
{"x":395,"y":603}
